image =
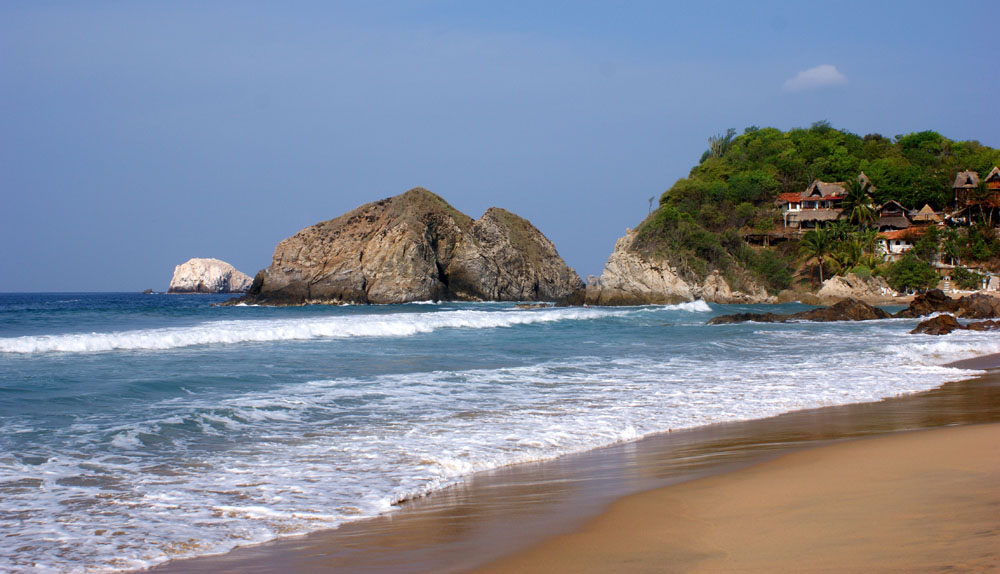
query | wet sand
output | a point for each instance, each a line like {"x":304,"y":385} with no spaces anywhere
{"x":926,"y":501}
{"x":514,"y":513}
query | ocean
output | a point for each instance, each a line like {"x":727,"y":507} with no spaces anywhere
{"x":136,"y":428}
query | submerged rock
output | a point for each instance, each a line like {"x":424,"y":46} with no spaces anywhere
{"x":846,"y":310}
{"x":208,"y":276}
{"x":415,"y":247}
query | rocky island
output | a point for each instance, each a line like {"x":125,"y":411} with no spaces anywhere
{"x":208,"y":276}
{"x":415,"y":247}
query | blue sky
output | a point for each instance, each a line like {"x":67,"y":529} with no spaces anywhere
{"x":134,"y":136}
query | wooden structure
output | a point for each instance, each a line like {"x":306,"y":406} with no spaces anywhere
{"x":819,"y":203}
{"x":892,"y":215}
{"x":965,"y":187}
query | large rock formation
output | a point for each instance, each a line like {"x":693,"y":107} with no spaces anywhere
{"x":208,"y":276}
{"x":632,"y":277}
{"x":415,"y":247}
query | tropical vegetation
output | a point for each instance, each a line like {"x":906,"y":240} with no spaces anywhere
{"x":701,"y":221}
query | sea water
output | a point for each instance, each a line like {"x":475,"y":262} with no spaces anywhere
{"x":139,"y":428}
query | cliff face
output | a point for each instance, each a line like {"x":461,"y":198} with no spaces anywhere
{"x":633,"y":278}
{"x":415,"y":247}
{"x":208,"y":276}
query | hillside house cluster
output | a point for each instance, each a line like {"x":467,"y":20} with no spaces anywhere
{"x":821,"y":203}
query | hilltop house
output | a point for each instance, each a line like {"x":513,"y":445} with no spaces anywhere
{"x":966,"y":183}
{"x":819,"y":203}
{"x":896,"y":242}
{"x":892,"y":215}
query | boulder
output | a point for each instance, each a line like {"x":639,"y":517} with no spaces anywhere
{"x":415,"y":247}
{"x":852,"y":286}
{"x":928,"y":303}
{"x":944,"y":324}
{"x":846,"y":310}
{"x":208,"y":276}
{"x":940,"y":325}
{"x":975,"y":306}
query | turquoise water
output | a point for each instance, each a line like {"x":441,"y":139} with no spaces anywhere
{"x":138,"y":428}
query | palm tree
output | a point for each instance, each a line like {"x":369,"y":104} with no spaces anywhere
{"x":816,"y":244}
{"x":858,"y":203}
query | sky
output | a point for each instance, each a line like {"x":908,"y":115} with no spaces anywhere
{"x":137,"y":135}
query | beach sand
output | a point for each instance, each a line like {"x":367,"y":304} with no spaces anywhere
{"x":789,"y":493}
{"x":926,"y":501}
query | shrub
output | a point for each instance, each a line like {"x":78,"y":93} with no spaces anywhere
{"x":911,"y":274}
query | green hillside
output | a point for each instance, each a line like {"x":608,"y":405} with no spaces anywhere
{"x":702,"y":219}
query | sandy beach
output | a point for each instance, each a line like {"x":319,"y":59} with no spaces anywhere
{"x":925,"y":501}
{"x":857,"y":488}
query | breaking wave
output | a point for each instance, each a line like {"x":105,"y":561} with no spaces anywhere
{"x":248,"y":331}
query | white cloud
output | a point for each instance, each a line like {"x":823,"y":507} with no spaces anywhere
{"x":815,"y":78}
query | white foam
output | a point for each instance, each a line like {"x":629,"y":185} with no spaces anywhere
{"x":245,"y":331}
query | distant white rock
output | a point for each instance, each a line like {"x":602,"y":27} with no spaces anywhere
{"x":208,"y":276}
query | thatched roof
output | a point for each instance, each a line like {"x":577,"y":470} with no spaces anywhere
{"x":926,"y":214}
{"x":816,"y":215}
{"x":994,"y":173}
{"x":895,"y":222}
{"x":966,"y":180}
{"x":825,"y":190}
{"x":863,"y":180}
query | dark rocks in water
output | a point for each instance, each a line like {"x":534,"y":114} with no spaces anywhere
{"x":147,"y":292}
{"x":975,"y":306}
{"x":944,"y":324}
{"x":532,"y":305}
{"x":846,"y":310}
{"x":748,"y":317}
{"x":415,"y":247}
{"x":927,"y":303}
{"x":940,"y":325}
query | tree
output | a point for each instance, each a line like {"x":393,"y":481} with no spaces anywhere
{"x":858,"y":204}
{"x":816,"y":244}
{"x":719,"y":144}
{"x":911,"y":274}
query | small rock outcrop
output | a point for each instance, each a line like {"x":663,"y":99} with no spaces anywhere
{"x":851,"y":286}
{"x":208,"y":276}
{"x":632,"y":277}
{"x":975,"y":306}
{"x":416,"y":247}
{"x":846,"y":310}
{"x":944,"y":324}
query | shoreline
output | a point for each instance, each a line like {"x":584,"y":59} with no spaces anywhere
{"x":506,"y":512}
{"x":919,"y":501}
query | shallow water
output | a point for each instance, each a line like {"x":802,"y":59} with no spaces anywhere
{"x":139,"y":428}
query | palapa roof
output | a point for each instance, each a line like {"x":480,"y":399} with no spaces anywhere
{"x":863,"y":180}
{"x":817,"y":215}
{"x":926,"y":214}
{"x":897,"y":222}
{"x":994,"y":173}
{"x":825,"y":190}
{"x":892,"y":203}
{"x":966,"y":180}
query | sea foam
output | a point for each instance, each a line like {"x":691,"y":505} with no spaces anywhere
{"x":264,"y":330}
